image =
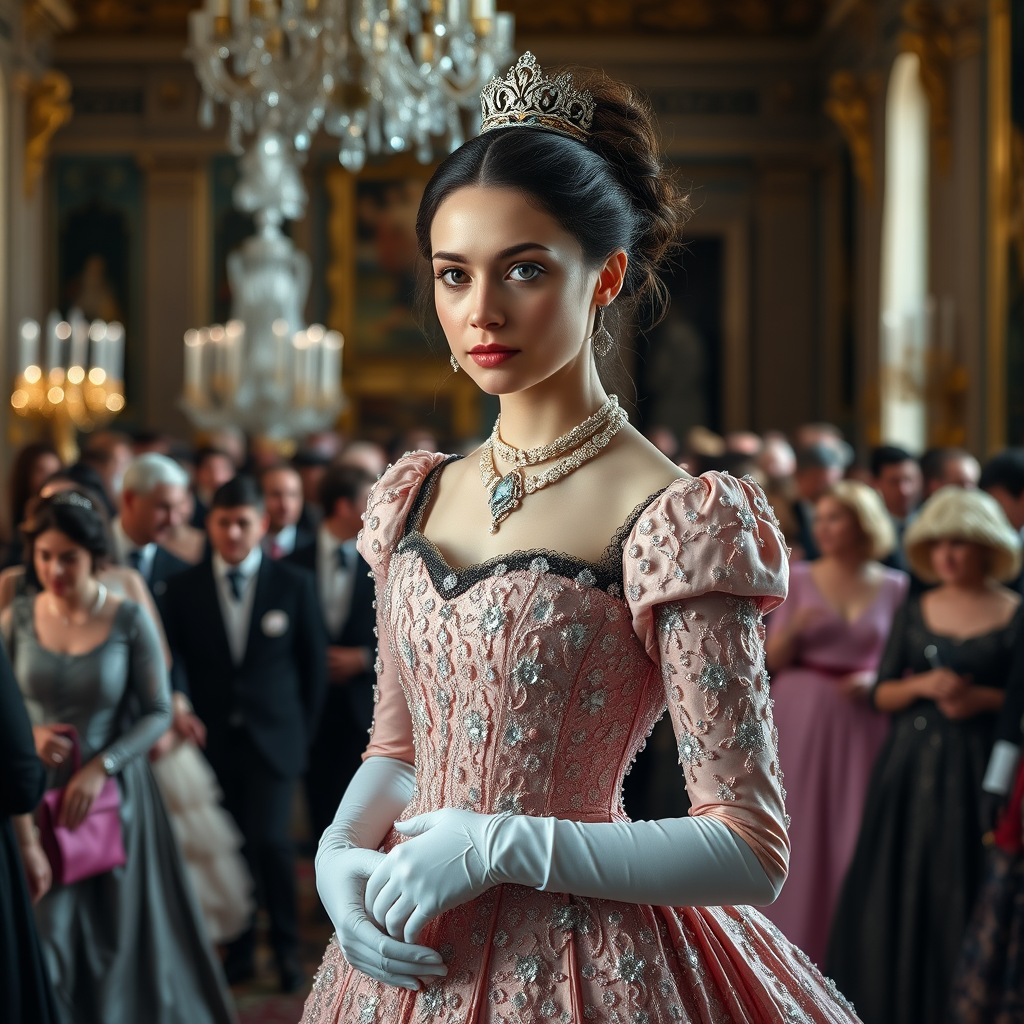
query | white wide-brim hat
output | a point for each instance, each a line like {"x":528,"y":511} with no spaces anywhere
{"x":968,"y":515}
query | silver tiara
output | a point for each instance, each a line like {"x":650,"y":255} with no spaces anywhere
{"x":525,"y":98}
{"x":72,"y":498}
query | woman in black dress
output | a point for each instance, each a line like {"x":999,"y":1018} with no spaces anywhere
{"x":908,"y":895}
{"x":25,"y":993}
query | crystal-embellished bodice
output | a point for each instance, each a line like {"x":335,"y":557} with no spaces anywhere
{"x":528,"y":688}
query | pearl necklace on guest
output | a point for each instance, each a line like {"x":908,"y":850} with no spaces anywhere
{"x":581,"y":444}
{"x":97,"y":603}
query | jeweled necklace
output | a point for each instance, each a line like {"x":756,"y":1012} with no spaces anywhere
{"x":573,"y":439}
{"x":505,"y":493}
{"x":97,"y":603}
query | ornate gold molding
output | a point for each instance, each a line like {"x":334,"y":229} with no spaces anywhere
{"x":997,"y":222}
{"x":938,"y":35}
{"x":47,"y":108}
{"x":591,"y":17}
{"x":849,"y":105}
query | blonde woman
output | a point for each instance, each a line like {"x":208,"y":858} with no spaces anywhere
{"x":824,"y":645}
{"x":908,"y":895}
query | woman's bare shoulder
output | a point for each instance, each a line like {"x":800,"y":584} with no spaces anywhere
{"x":640,"y":469}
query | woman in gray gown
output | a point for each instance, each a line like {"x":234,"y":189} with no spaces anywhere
{"x":128,"y":945}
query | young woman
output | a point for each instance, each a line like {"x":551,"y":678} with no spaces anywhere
{"x":126,"y":945}
{"x":524,"y":658}
{"x":823,"y":649}
{"x":908,"y":895}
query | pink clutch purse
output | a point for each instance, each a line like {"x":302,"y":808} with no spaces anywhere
{"x":93,"y":848}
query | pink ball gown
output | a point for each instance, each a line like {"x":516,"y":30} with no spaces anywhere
{"x":828,"y":745}
{"x":528,"y":683}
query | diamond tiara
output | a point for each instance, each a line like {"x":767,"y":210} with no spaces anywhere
{"x":71,"y":498}
{"x":525,"y":98}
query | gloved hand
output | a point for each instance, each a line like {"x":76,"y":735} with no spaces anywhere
{"x":341,"y":880}
{"x":456,"y":855}
{"x":345,"y":859}
{"x":446,"y":864}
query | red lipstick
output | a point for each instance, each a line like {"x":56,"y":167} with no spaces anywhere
{"x":489,"y":356}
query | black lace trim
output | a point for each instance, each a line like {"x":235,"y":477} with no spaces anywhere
{"x":450,"y":581}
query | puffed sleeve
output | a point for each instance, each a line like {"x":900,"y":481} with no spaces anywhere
{"x":701,"y":567}
{"x":387,"y":509}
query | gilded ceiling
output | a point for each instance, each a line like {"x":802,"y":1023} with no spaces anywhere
{"x":590,"y":17}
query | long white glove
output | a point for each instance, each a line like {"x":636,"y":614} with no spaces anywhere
{"x":345,"y":859}
{"x":456,"y":855}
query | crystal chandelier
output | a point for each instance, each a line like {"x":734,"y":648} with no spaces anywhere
{"x":383,"y":76}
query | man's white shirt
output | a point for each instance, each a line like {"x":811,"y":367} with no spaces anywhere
{"x":124,"y":546}
{"x":336,"y":585}
{"x":237,"y":613}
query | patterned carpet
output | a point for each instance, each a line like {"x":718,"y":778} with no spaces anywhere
{"x":259,"y":1001}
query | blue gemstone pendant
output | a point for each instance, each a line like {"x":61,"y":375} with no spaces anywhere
{"x":505,"y":497}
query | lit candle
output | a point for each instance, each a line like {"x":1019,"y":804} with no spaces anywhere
{"x":96,"y":333}
{"x":115,"y":349}
{"x":330,"y":378}
{"x":61,"y":333}
{"x":78,"y":350}
{"x":200,"y":27}
{"x":29,"y":350}
{"x":504,"y":30}
{"x":483,"y":10}
{"x":279,"y":328}
{"x":300,"y":366}
{"x":234,"y":335}
{"x":193,"y":364}
{"x":219,"y":380}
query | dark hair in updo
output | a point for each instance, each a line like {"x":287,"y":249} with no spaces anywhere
{"x":83,"y":525}
{"x":609,"y":193}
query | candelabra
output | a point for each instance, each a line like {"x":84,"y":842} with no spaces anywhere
{"x":294,"y":395}
{"x":82,"y":387}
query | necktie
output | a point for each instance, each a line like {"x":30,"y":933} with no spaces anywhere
{"x":235,"y":579}
{"x":342,"y":558}
{"x":276,"y":551}
{"x":135,"y":559}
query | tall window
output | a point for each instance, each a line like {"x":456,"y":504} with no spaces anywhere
{"x":904,"y":285}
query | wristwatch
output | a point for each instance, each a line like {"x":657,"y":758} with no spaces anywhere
{"x":109,"y":764}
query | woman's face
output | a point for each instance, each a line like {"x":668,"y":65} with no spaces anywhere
{"x":511,"y":289}
{"x":62,"y":566}
{"x":960,"y":562}
{"x":44,"y":466}
{"x":836,"y":529}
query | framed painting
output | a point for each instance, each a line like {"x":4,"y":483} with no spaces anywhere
{"x":390,"y":372}
{"x":98,"y":265}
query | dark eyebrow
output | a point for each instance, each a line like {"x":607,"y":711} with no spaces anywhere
{"x":454,"y":257}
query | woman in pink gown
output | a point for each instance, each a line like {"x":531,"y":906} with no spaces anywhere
{"x":480,"y":868}
{"x":824,"y":646}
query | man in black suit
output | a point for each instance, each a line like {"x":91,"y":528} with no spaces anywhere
{"x":1003,"y":478}
{"x":250,"y":651}
{"x":818,"y":467}
{"x":897,"y":478}
{"x":346,"y":596}
{"x":153,"y":491}
{"x":282,"y":493}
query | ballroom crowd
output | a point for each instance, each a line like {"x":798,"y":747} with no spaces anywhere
{"x":195,"y":620}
